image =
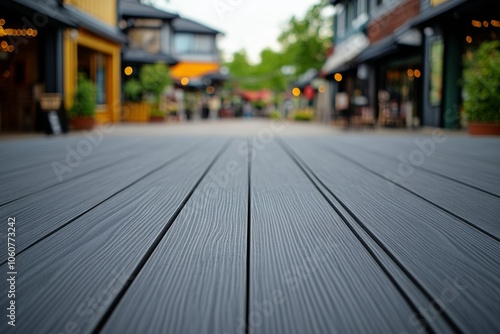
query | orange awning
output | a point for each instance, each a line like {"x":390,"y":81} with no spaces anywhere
{"x":192,"y":70}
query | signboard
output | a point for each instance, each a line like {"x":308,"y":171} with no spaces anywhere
{"x":341,"y":101}
{"x":50,"y":103}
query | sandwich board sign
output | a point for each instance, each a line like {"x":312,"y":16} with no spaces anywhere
{"x":50,"y":103}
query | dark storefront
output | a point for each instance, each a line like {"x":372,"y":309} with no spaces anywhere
{"x":31,"y":63}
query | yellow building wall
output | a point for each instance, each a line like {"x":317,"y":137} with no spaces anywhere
{"x":105,"y":10}
{"x":109,"y":112}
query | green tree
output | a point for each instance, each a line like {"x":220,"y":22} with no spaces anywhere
{"x":306,"y":40}
{"x":303,"y":45}
{"x":154,"y":78}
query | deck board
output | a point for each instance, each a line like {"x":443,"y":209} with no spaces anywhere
{"x":308,"y":272}
{"x":73,"y":276}
{"x":28,"y":181}
{"x":453,"y":159}
{"x":203,"y":259}
{"x":412,"y":230}
{"x":308,"y":237}
{"x":47,"y":211}
{"x":471,"y":205}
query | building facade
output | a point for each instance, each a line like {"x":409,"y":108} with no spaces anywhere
{"x":44,"y":45}
{"x":31,"y":60}
{"x":400,"y":61}
{"x":94,"y":50}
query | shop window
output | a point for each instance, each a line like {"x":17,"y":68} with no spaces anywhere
{"x":341,"y":22}
{"x":362,"y":7}
{"x":145,"y":39}
{"x":189,"y":43}
{"x":436,"y":72}
{"x":100,"y":78}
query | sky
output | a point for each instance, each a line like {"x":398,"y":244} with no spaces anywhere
{"x":247,"y":24}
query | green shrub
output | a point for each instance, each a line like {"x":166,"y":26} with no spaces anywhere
{"x":275,"y":115}
{"x":303,"y":115}
{"x":481,"y":80}
{"x":133,"y":90}
{"x":155,"y":112}
{"x":154,"y":78}
{"x":85,"y":100}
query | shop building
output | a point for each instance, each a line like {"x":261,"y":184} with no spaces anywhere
{"x":44,"y":45}
{"x":31,"y":60}
{"x":400,"y":61}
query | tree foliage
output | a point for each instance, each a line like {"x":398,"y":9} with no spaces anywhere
{"x":154,"y":78}
{"x":482,"y":83}
{"x":303,"y":42}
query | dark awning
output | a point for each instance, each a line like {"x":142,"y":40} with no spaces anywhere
{"x":143,"y":57}
{"x":48,"y":8}
{"x":186,"y":25}
{"x":437,"y":11}
{"x":136,"y":9}
{"x":403,"y":37}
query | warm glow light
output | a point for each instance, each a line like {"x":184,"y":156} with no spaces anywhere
{"x":10,"y":48}
{"x":4,"y":44}
{"x":210,"y":90}
{"x":2,"y":22}
{"x":410,"y":72}
{"x":17,"y":32}
{"x":296,"y":91}
{"x":184,"y":81}
{"x":468,"y":39}
{"x":476,"y":24}
{"x":495,"y":23}
{"x":417,"y":73}
{"x":128,"y":70}
{"x":338,"y":77}
{"x":321,"y":89}
{"x":485,"y":23}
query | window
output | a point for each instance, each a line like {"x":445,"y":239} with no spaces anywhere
{"x":362,"y":7}
{"x":436,"y":72}
{"x":351,"y":11}
{"x":145,"y":39}
{"x":100,"y":78}
{"x":341,"y":21}
{"x":189,"y":43}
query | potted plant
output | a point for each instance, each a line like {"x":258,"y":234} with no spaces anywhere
{"x":83,"y":110}
{"x":156,"y":116}
{"x":134,"y":108}
{"x":481,"y":83}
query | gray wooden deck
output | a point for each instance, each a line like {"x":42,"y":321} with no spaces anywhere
{"x":232,"y":235}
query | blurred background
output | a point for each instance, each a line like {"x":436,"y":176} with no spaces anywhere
{"x":68,"y":65}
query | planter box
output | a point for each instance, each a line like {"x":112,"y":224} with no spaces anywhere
{"x":82,"y":123}
{"x":157,"y":119}
{"x":136,"y":112}
{"x":483,"y":129}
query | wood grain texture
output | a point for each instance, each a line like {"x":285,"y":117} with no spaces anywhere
{"x":441,"y":252}
{"x":195,"y":281}
{"x":473,"y":162}
{"x":30,"y":180}
{"x":406,"y":286}
{"x":44,"y":212}
{"x":475,"y":207}
{"x":309,"y":274}
{"x":24,"y":154}
{"x":72,"y":276}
